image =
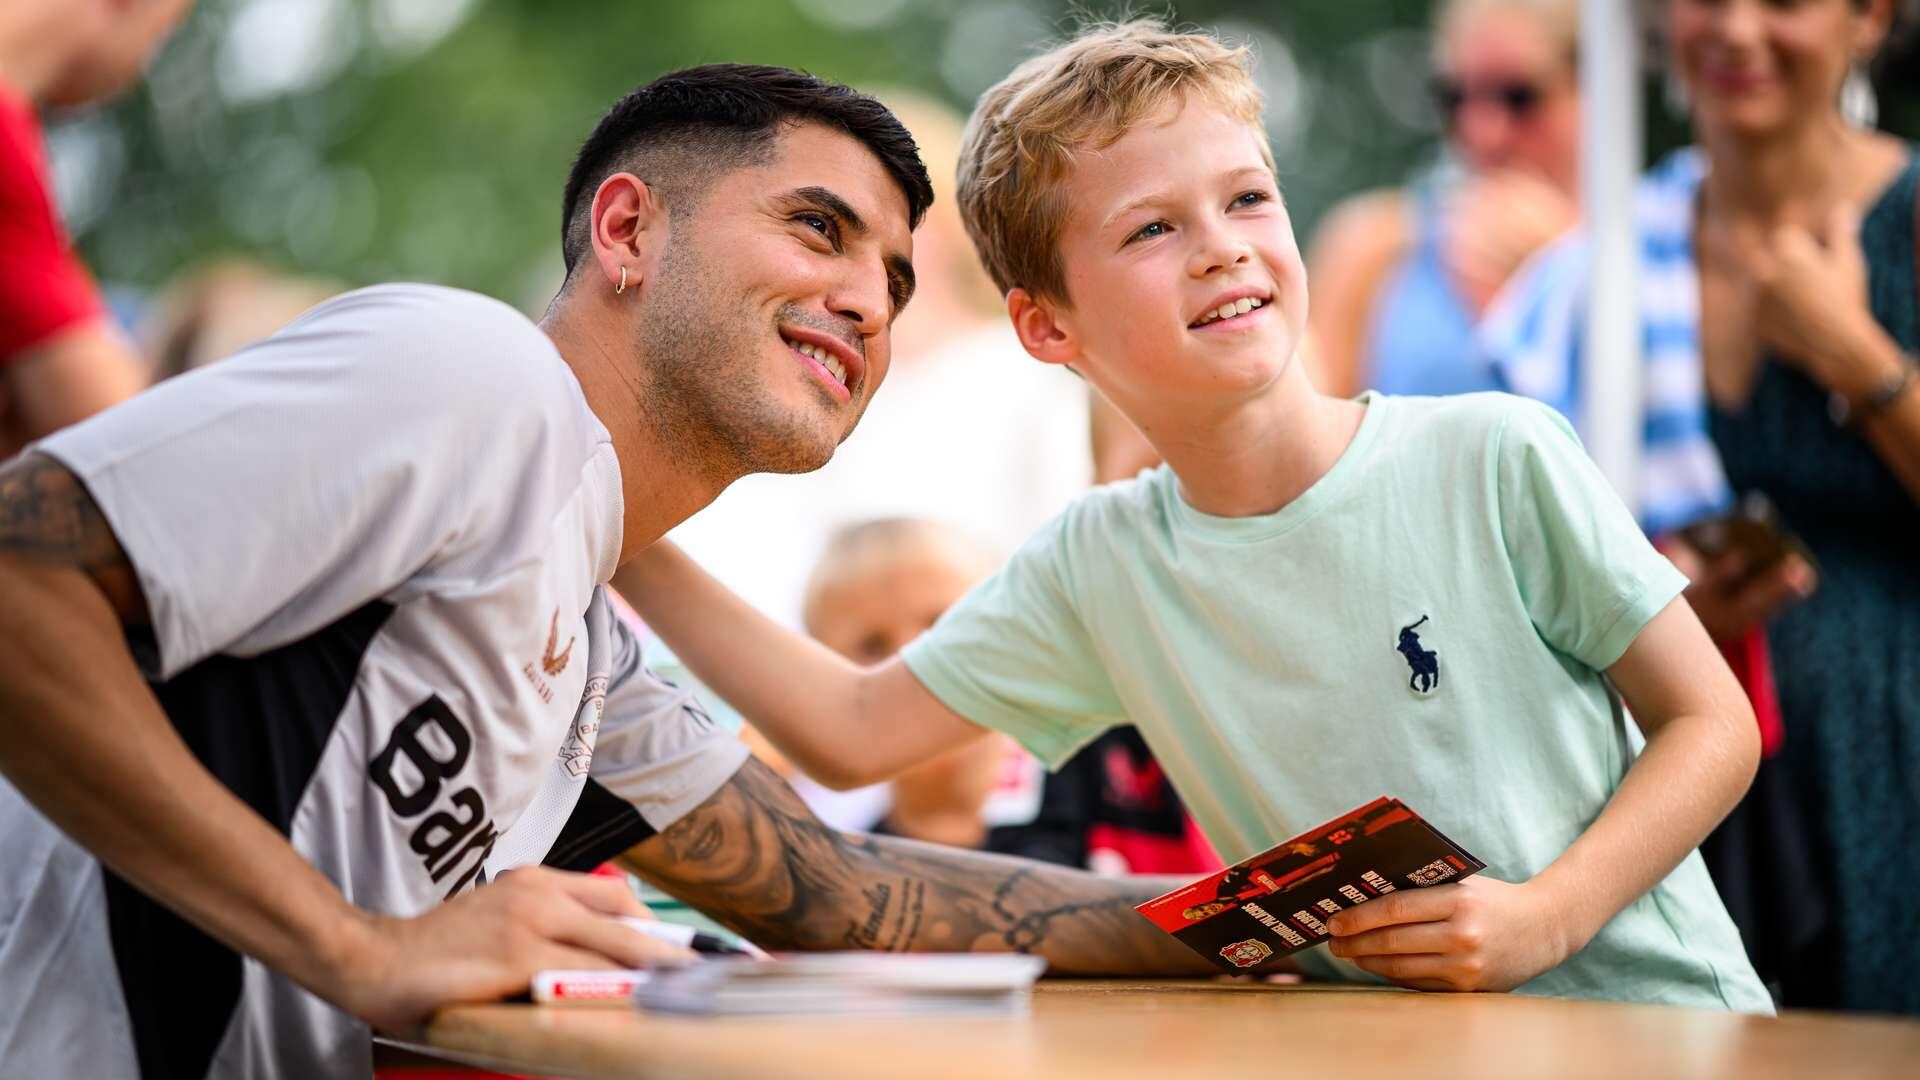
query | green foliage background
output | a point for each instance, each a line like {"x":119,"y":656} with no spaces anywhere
{"x":441,"y":158}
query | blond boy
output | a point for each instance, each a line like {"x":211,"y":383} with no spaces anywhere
{"x":1314,"y":601}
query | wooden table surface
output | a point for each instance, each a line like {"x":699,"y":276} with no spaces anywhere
{"x":1195,"y":1028}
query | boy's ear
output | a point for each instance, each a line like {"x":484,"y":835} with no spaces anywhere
{"x":1041,"y":332}
{"x":628,"y":227}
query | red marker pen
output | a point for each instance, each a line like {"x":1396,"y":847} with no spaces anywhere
{"x":586,"y":987}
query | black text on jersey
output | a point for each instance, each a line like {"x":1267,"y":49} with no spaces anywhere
{"x":446,"y":839}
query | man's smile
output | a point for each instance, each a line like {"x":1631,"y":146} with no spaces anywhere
{"x":838,"y":366}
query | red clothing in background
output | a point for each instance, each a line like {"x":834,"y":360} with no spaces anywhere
{"x":43,"y":287}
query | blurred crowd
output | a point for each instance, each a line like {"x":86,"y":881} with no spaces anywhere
{"x":1780,"y":471}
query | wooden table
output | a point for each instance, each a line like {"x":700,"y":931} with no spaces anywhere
{"x":1170,"y":1030}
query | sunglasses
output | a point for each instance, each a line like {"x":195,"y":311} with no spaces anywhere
{"x":1517,"y":97}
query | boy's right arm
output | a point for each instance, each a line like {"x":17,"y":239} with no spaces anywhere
{"x":842,"y":724}
{"x":85,"y":741}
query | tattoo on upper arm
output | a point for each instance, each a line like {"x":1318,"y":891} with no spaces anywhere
{"x":47,"y":514}
{"x":45,"y":511}
{"x":756,"y":858}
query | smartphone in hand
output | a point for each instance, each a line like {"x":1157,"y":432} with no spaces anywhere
{"x":1752,"y":530}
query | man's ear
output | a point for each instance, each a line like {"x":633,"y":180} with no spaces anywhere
{"x":627,"y":228}
{"x":1040,"y":329}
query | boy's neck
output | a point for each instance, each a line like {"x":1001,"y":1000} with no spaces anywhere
{"x":1263,"y":454}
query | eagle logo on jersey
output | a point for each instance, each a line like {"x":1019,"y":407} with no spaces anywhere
{"x":550,"y":662}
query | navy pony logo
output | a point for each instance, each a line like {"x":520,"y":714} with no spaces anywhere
{"x":1424,"y":662}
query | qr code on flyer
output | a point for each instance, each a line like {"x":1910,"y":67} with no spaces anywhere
{"x":1433,"y":873}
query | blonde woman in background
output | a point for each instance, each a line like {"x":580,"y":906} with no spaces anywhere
{"x":1781,"y":313}
{"x":1400,"y":277}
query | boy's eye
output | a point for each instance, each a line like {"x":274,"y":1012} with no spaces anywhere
{"x":1148,"y":231}
{"x":1250,"y":198}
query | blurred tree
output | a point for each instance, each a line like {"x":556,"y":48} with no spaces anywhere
{"x":428,"y":139}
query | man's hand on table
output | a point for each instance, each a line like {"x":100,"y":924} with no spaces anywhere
{"x":487,"y":944}
{"x":1477,"y":934}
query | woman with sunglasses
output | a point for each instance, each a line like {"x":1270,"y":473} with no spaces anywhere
{"x":1781,"y":314}
{"x":1400,"y":277}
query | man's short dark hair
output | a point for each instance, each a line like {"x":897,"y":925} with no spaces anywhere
{"x":683,"y":130}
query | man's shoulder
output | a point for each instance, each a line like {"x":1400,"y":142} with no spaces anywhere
{"x":419,"y":344}
{"x":448,"y":321}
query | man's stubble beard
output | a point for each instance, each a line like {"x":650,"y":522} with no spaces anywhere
{"x":700,"y":387}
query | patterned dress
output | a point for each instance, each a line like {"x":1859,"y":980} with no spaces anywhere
{"x":1847,"y":661}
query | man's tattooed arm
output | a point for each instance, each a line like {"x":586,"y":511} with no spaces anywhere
{"x":48,"y":518}
{"x":755,"y":858}
{"x":84,"y":740}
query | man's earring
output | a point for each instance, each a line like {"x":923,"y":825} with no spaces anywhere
{"x":622,"y":287}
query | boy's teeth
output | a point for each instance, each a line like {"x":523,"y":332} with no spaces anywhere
{"x":1228,"y":311}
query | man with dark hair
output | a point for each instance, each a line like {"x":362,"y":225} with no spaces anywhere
{"x":683,"y":129}
{"x":297,"y":650}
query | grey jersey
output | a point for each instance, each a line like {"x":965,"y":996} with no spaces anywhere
{"x":373,"y":549}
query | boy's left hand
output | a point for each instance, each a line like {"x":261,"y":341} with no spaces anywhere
{"x":1477,"y":934}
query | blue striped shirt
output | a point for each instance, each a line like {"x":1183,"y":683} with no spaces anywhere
{"x":1534,"y":336}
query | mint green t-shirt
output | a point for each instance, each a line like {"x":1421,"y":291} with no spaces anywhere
{"x":1267,"y":662}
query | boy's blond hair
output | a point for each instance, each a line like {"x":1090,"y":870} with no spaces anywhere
{"x":1083,"y":95}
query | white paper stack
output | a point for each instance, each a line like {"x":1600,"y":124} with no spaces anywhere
{"x":849,"y":984}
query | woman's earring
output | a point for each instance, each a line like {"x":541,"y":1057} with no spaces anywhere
{"x":622,"y":287}
{"x":1858,"y":105}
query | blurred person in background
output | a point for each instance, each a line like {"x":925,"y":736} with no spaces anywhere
{"x":1401,"y":277}
{"x":882,"y":582}
{"x":1780,"y":316}
{"x":217,"y":310}
{"x":970,"y":430}
{"x":61,"y":359}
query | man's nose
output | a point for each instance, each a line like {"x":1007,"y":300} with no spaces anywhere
{"x":865,"y":300}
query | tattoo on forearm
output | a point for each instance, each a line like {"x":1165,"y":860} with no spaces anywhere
{"x":46,"y":512}
{"x":754,"y":857}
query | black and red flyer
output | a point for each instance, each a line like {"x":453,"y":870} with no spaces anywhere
{"x":1275,"y":903}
